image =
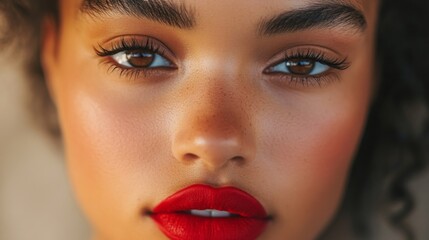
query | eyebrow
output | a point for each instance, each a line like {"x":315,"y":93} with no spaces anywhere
{"x":318,"y":15}
{"x":163,"y":11}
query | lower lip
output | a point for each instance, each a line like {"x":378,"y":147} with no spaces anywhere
{"x":179,"y":225}
{"x":190,"y":227}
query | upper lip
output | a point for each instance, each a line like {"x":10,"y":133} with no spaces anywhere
{"x":204,"y":197}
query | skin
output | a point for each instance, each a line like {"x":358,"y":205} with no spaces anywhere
{"x":131,"y":140}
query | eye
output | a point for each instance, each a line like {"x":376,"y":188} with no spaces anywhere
{"x":306,"y":67}
{"x":297,"y":66}
{"x":140,"y":59}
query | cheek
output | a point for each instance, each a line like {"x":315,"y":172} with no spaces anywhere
{"x":113,"y":158}
{"x":112,"y":147}
{"x":311,"y":147}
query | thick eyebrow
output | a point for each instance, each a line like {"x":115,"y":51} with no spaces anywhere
{"x":327,"y":15}
{"x":163,"y":11}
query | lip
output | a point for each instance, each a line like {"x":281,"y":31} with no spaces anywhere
{"x":173,"y":216}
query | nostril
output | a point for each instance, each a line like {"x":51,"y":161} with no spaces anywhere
{"x":190,"y":157}
{"x":238,"y":159}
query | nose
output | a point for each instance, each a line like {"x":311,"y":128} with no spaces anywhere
{"x":214,"y":130}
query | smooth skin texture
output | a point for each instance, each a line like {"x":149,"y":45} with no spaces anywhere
{"x":216,"y":115}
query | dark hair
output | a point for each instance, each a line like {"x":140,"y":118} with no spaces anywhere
{"x":396,"y":140}
{"x":395,"y":144}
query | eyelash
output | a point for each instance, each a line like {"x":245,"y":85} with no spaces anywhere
{"x":150,"y":45}
{"x":310,"y":80}
{"x":131,"y":44}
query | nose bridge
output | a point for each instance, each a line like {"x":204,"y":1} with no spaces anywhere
{"x":214,"y":125}
{"x":216,"y":114}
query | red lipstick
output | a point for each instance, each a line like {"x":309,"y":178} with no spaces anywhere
{"x":203,"y":212}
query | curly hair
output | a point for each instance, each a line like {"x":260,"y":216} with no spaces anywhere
{"x":396,"y":140}
{"x":395,"y":144}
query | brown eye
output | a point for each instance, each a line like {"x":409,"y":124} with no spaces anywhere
{"x":300,"y":67}
{"x":140,"y":59}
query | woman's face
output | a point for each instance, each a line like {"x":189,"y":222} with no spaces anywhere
{"x":187,"y":97}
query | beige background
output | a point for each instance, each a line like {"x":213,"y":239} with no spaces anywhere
{"x":36,"y":202}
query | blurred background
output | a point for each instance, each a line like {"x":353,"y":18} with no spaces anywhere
{"x":36,"y":201}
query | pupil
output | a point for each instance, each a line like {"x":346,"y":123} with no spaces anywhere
{"x":300,"y":67}
{"x":140,"y":59}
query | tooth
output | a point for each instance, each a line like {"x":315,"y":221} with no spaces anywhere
{"x":202,"y":213}
{"x":211,"y":213}
{"x":219,"y":214}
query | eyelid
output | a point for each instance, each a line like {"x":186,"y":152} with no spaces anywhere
{"x":133,"y":42}
{"x":309,"y":50}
